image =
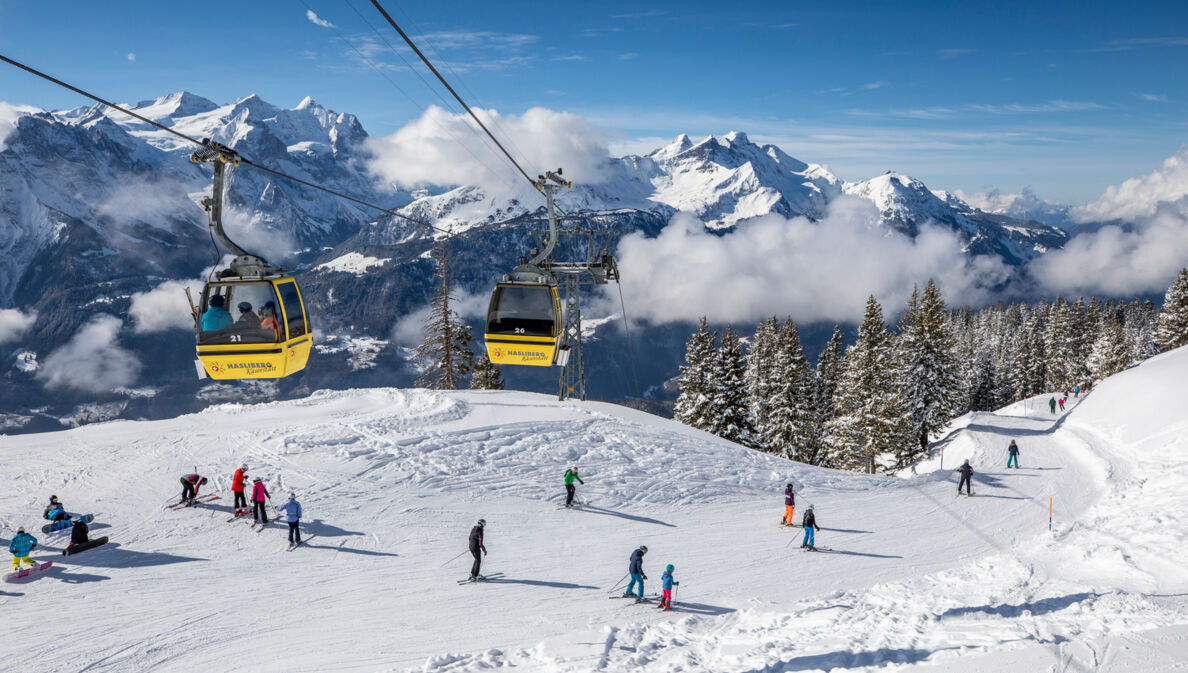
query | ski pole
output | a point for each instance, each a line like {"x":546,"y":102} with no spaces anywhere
{"x":456,"y":557}
{"x":612,"y":589}
{"x":675,"y":589}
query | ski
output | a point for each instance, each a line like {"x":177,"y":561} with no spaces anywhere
{"x":634,"y":596}
{"x":66,"y":523}
{"x":305,"y":539}
{"x":83,"y":546}
{"x":197,"y":501}
{"x":262,"y":526}
{"x":818,"y":549}
{"x":25,"y":572}
{"x":481,"y":578}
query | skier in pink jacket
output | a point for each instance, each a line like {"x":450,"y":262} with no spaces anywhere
{"x":259,"y":495}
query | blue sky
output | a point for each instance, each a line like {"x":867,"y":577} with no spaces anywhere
{"x":1065,"y":97}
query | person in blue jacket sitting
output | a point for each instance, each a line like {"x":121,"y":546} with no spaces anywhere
{"x":55,"y":511}
{"x":216,"y":317}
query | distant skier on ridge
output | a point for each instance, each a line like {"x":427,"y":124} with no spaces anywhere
{"x":1013,"y":450}
{"x":789,"y":506}
{"x":1052,"y":404}
{"x":966,"y":471}
{"x":570,"y":475}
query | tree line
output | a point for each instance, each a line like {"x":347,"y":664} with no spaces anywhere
{"x":877,"y":405}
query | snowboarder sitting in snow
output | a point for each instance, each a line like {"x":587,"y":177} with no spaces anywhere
{"x":190,"y":485}
{"x":259,"y":494}
{"x":570,"y":475}
{"x":292,"y":510}
{"x":216,"y":317}
{"x":55,"y":511}
{"x":810,"y":529}
{"x":20,"y":547}
{"x":1013,"y":450}
{"x":237,"y":479}
{"x":666,"y":584}
{"x":476,"y":545}
{"x":966,"y":471}
{"x":789,"y":506}
{"x":635,"y":569}
{"x":79,"y":534}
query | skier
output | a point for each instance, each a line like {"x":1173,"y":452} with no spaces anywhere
{"x":635,"y":569}
{"x":570,"y":475}
{"x":1052,"y":404}
{"x":20,"y":548}
{"x":240,"y":506}
{"x":476,"y":545}
{"x":259,"y":493}
{"x":1013,"y":450}
{"x":966,"y":471}
{"x":79,"y":534}
{"x":292,"y":510}
{"x":666,"y":584}
{"x":810,"y":529}
{"x":1077,"y":392}
{"x":789,"y":505}
{"x":190,"y":485}
{"x":1061,"y":404}
{"x":55,"y":511}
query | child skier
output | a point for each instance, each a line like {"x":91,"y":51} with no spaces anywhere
{"x":966,"y":471}
{"x":259,"y":494}
{"x":240,"y":506}
{"x":1061,"y":404}
{"x":635,"y":569}
{"x":1013,"y":450}
{"x":20,"y":547}
{"x":55,"y":511}
{"x":789,"y":505}
{"x":476,"y":546}
{"x":666,"y":584}
{"x":810,"y":528}
{"x":190,"y":485}
{"x":292,"y":510}
{"x":570,"y":475}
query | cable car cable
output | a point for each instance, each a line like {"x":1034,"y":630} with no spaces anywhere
{"x":627,"y":334}
{"x":242,"y":159}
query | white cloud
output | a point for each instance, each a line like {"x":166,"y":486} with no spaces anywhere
{"x":1120,"y":261}
{"x":874,"y":85}
{"x":440,"y":148}
{"x":317,"y":20}
{"x":1139,"y":197}
{"x":91,"y":361}
{"x":14,"y":323}
{"x":9,"y":114}
{"x":409,"y":330}
{"x":131,"y":57}
{"x":164,"y":307}
{"x":1153,"y":97}
{"x":813,"y":271}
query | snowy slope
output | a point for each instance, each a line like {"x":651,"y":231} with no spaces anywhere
{"x":393,"y":479}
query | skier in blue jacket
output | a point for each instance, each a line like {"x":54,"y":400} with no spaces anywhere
{"x":635,"y":569}
{"x":292,"y":510}
{"x":666,"y":584}
{"x":55,"y":511}
{"x":20,"y":547}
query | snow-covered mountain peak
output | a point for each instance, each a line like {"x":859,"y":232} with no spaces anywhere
{"x":175,"y":105}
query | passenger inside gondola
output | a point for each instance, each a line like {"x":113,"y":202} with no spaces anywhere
{"x":247,"y":317}
{"x":241,"y":324}
{"x":216,"y":317}
{"x":268,"y":318}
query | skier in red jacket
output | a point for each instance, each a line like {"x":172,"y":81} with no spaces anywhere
{"x":241,"y":506}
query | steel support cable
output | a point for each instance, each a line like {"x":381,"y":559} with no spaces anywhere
{"x":627,"y":334}
{"x":400,"y":89}
{"x":446,"y":84}
{"x":242,"y":159}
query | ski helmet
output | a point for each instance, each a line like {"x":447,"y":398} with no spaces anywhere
{"x":256,"y":479}
{"x":21,"y":529}
{"x":53,"y":498}
{"x":643,"y":548}
{"x":243,"y":467}
{"x":292,"y":496}
{"x":810,"y":506}
{"x":670,"y":567}
{"x":788,"y":486}
{"x":482,"y":522}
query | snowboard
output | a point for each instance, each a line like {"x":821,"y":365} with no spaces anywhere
{"x":66,"y":523}
{"x":481,"y":578}
{"x":81,"y":547}
{"x":25,"y":572}
{"x":197,"y":501}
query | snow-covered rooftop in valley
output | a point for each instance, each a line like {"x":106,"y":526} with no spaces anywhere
{"x":910,"y":577}
{"x":352,"y":262}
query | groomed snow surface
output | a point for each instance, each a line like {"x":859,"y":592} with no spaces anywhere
{"x":392,"y":480}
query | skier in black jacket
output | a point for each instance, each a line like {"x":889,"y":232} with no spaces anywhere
{"x":476,"y":546}
{"x":810,"y":528}
{"x":635,"y":570}
{"x":966,"y":471}
{"x":79,"y":534}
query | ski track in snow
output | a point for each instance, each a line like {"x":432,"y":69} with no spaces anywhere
{"x":392,"y":480}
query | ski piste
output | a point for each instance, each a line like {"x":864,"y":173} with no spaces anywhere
{"x":66,"y":523}
{"x":83,"y":546}
{"x":305,"y":539}
{"x":481,"y":578}
{"x":26,"y":572}
{"x":197,"y":501}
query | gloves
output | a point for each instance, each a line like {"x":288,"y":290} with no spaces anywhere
{"x":484,"y":551}
{"x":644,"y":576}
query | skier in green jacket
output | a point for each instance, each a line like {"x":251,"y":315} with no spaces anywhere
{"x":571,"y":475}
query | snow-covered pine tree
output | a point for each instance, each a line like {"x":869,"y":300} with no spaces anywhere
{"x":790,"y":430}
{"x":761,"y":377}
{"x":1060,"y":349}
{"x":930,"y":381}
{"x":486,"y":375}
{"x":445,"y":353}
{"x":871,"y":415}
{"x":693,"y":404}
{"x":1037,"y":370}
{"x":730,"y":410}
{"x":828,"y":374}
{"x":1111,"y":352}
{"x":1172,"y":330}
